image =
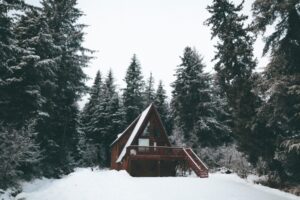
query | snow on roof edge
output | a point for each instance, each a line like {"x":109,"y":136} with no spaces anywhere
{"x":134,"y":132}
{"x":121,"y":134}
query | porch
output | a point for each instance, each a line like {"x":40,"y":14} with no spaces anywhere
{"x":136,"y":152}
{"x":162,"y":161}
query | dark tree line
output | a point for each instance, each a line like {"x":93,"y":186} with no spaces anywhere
{"x":256,"y":112}
{"x":278,"y":115}
{"x":41,"y":80}
{"x":264,"y":108}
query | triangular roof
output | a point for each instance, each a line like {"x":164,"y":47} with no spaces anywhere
{"x":125,"y":131}
{"x":138,"y":124}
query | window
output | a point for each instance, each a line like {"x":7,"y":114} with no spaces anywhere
{"x":143,"y":142}
{"x":146,"y":132}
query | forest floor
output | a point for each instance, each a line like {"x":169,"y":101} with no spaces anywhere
{"x":88,"y":184}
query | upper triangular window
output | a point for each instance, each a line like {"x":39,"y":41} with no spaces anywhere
{"x":146,"y":132}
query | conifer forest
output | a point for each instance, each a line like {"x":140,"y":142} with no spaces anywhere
{"x":234,"y":117}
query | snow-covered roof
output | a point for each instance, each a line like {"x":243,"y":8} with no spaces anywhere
{"x":134,"y":132}
{"x":121,"y":134}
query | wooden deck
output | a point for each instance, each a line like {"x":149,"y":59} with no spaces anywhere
{"x":159,"y":153}
{"x":155,"y":153}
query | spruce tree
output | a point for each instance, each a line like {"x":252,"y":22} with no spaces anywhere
{"x":234,"y":66}
{"x":149,"y":90}
{"x":18,"y":151}
{"x":195,"y":111}
{"x":102,"y":120}
{"x":281,"y":85}
{"x":21,"y":100}
{"x":133,"y":93}
{"x":38,"y":65}
{"x":162,"y":106}
{"x":58,"y":134}
{"x":90,"y":133}
{"x":91,"y":106}
{"x":113,"y":118}
{"x":10,"y":52}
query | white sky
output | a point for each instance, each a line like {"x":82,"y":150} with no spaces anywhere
{"x":156,"y":30}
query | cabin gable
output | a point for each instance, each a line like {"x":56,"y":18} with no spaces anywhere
{"x":145,"y":118}
{"x":153,"y":130}
{"x":143,"y":149}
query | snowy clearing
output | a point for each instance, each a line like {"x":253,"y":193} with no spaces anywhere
{"x":85,"y":184}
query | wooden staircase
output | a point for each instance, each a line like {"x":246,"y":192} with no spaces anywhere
{"x":196,"y":163}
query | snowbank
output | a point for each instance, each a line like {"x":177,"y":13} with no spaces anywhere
{"x":85,"y":184}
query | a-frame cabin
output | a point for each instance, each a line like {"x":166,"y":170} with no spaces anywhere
{"x":143,"y":149}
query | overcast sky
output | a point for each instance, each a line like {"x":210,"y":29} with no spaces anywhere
{"x":157,"y":31}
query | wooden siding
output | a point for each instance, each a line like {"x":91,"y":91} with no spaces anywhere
{"x":117,"y":147}
{"x":159,"y":160}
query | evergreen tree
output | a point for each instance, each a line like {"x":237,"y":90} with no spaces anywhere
{"x":102,"y":119}
{"x":90,"y":134}
{"x":133,"y":93}
{"x":58,"y":135}
{"x":18,"y":149}
{"x":113,"y":121}
{"x":10,"y":111}
{"x":91,"y":106}
{"x":149,"y":90}
{"x":195,"y":111}
{"x":281,"y":85}
{"x":25,"y":81}
{"x":38,"y":65}
{"x":162,"y":106}
{"x":234,"y":66}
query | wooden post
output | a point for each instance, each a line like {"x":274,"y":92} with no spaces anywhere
{"x":158,"y":167}
{"x":129,"y":166}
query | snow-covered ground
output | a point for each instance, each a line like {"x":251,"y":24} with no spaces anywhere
{"x":85,"y":184}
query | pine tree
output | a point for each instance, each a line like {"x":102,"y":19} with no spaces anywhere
{"x":149,"y":90}
{"x":234,"y":66}
{"x":90,"y":133}
{"x":196,"y":113}
{"x":9,"y":63}
{"x":8,"y":48}
{"x":18,"y":150}
{"x":90,"y":107}
{"x":162,"y":106}
{"x":113,"y":117}
{"x":234,"y":56}
{"x":102,"y":120}
{"x":58,"y":134}
{"x":281,"y":84}
{"x":38,"y":65}
{"x":133,"y":93}
{"x":41,"y":76}
{"x":21,"y":100}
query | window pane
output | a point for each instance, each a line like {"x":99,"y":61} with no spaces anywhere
{"x":143,"y":142}
{"x":146,"y":132}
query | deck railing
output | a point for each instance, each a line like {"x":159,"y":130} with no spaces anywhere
{"x":154,"y":150}
{"x":170,"y":152}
